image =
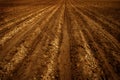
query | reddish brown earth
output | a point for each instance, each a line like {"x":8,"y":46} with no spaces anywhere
{"x":59,"y":40}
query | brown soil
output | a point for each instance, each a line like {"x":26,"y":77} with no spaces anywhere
{"x":59,"y":40}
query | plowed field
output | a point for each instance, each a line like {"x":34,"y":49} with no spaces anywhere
{"x":60,"y":40}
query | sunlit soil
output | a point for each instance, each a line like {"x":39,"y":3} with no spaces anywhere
{"x":59,"y":40}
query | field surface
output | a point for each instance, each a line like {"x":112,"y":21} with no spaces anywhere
{"x":59,"y":40}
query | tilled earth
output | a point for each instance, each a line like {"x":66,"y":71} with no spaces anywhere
{"x":60,"y":40}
